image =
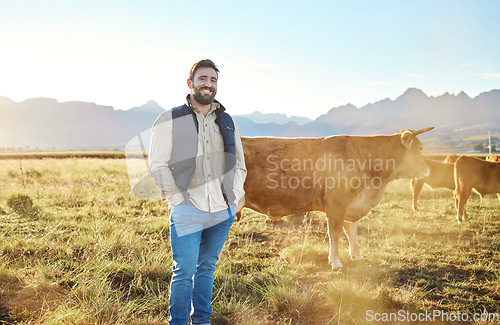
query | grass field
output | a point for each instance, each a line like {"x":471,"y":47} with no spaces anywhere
{"x":88,"y":252}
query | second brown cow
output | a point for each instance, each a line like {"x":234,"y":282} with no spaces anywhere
{"x":440,"y":175}
{"x":473,"y":173}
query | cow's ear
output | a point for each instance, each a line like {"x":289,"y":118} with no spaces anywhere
{"x":407,"y":139}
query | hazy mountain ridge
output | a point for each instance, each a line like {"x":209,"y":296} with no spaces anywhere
{"x":276,"y":118}
{"x":46,"y":123}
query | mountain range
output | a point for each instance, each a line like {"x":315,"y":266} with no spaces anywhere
{"x":47,"y":124}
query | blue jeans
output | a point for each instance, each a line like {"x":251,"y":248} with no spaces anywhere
{"x":197,"y":239}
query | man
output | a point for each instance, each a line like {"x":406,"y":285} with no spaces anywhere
{"x":196,"y":160}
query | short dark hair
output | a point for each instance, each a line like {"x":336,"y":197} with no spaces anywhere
{"x":202,"y":64}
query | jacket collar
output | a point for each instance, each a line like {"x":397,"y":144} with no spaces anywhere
{"x":219,"y":108}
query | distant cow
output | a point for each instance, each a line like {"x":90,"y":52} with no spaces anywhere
{"x":493,"y":158}
{"x":473,"y":173}
{"x":440,"y":175}
{"x":451,"y":158}
{"x":344,"y":176}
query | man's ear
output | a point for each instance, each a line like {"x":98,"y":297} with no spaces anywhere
{"x":189,"y":83}
{"x":407,"y":139}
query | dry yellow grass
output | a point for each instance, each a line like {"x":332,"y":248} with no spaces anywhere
{"x":89,"y":252}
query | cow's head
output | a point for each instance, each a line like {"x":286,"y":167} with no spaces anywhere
{"x":412,"y":164}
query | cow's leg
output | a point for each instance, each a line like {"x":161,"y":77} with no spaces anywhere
{"x":462,"y":197}
{"x":416,"y":187}
{"x":351,"y":231}
{"x":481,"y":196}
{"x":335,"y":223}
{"x":455,"y":198}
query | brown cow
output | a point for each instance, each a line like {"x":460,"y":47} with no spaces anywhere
{"x":473,"y":173}
{"x":344,"y":176}
{"x":441,"y":175}
{"x":451,"y":158}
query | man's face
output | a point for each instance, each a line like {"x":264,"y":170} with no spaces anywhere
{"x":204,"y":85}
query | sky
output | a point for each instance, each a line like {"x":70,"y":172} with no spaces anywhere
{"x":300,"y":58}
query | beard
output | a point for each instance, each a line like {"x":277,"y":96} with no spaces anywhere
{"x":203,"y":98}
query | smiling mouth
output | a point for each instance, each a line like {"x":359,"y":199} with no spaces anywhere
{"x":206,"y":91}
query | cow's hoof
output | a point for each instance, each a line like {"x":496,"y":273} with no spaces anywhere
{"x":356,"y":257}
{"x":337,"y":266}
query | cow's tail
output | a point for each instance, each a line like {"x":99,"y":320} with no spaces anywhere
{"x":455,"y":176}
{"x":458,"y":181}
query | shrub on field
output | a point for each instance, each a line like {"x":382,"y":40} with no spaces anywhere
{"x":29,"y":173}
{"x":12,"y":173}
{"x":20,"y":203}
{"x":33,"y":173}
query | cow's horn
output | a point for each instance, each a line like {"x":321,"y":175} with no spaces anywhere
{"x":422,"y":130}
